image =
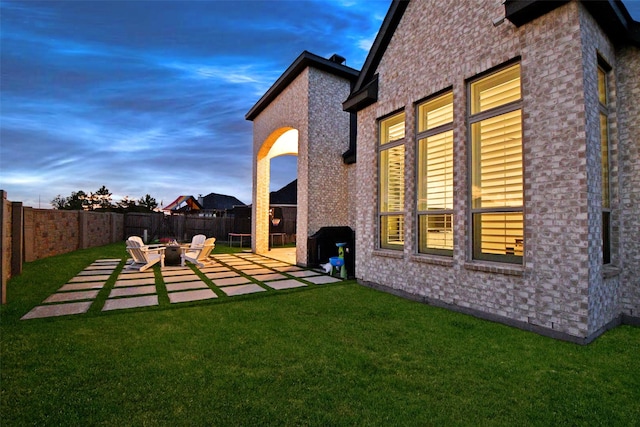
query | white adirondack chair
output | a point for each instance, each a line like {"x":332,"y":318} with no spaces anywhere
{"x":141,"y":242}
{"x":198,"y":241}
{"x":199,"y":256}
{"x":143,"y":256}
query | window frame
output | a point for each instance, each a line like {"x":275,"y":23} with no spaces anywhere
{"x":423,"y":135}
{"x":605,"y":112}
{"x":474,"y":238}
{"x":385,"y":146}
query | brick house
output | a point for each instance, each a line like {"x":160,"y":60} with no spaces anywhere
{"x":496,"y":166}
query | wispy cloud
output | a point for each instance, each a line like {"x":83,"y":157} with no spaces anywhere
{"x":104,"y":93}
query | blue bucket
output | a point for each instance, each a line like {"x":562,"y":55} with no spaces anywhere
{"x":336,"y":261}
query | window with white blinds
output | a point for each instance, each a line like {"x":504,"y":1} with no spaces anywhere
{"x":496,"y":166}
{"x":603,"y":97}
{"x":435,"y":176}
{"x":391,"y":182}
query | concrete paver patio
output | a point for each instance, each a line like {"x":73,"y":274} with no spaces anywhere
{"x":226,"y":275}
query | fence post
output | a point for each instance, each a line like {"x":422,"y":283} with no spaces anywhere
{"x":5,"y":256}
{"x":82,"y":230}
{"x":17,"y":238}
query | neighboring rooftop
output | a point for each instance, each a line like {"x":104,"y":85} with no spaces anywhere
{"x":287,"y":195}
{"x":219,"y":202}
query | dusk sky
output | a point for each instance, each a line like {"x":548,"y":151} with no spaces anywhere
{"x":149,"y":97}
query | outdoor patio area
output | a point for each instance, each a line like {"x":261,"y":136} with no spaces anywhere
{"x":226,"y":275}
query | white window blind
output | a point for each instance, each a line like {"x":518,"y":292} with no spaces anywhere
{"x":391,"y":182}
{"x":497,"y":144}
{"x":392,"y":179}
{"x":495,"y":90}
{"x":435,"y":176}
{"x":497,"y":166}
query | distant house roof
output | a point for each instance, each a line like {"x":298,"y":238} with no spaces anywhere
{"x":219,"y":202}
{"x":183,"y":203}
{"x":287,"y":195}
{"x":306,"y":59}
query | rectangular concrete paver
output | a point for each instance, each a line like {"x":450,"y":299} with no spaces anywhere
{"x":231,"y":281}
{"x":136,"y":290}
{"x":320,"y":280}
{"x":135,"y":282}
{"x":252,"y":272}
{"x":286,"y":284}
{"x":136,"y":275}
{"x":101,"y":267}
{"x":58,"y":310}
{"x":89,"y":278}
{"x":183,"y":278}
{"x":250,"y":267}
{"x":177,"y":272}
{"x":81,"y":286}
{"x":271,"y":264}
{"x":242,"y":289}
{"x":222,"y":274}
{"x":94,"y":272}
{"x":108,"y":261}
{"x":272,"y":276}
{"x":173,"y":287}
{"x":71,"y":296}
{"x":288,"y":268}
{"x":303,"y":273}
{"x":132,"y":302}
{"x":213,"y":269}
{"x":197,"y":295}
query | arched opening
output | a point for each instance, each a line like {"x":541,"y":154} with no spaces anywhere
{"x":281,"y":144}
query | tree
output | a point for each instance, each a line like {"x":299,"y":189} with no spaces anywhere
{"x":76,"y":202}
{"x":126,"y":205}
{"x":147,"y":203}
{"x":101,"y":201}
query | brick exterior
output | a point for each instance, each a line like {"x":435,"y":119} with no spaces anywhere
{"x":628,"y":99}
{"x":561,"y":287}
{"x":312,"y":104}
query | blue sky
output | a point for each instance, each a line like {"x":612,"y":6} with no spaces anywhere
{"x":149,"y":97}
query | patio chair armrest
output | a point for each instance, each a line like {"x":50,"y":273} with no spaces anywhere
{"x":158,"y":249}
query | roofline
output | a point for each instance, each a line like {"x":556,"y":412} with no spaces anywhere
{"x":387,"y":29}
{"x":611,"y":15}
{"x":304,"y":60}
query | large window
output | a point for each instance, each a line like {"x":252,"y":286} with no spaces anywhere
{"x":435,"y":175}
{"x":391,"y":185}
{"x":603,"y":96}
{"x":495,"y":117}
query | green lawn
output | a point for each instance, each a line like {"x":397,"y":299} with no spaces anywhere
{"x":329,"y":355}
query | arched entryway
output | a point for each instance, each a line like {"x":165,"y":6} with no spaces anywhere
{"x":281,"y":142}
{"x":306,"y":100}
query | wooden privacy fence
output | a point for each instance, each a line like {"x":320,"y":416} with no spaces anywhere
{"x":180,"y":227}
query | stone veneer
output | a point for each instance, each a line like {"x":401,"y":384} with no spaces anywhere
{"x":561,"y":288}
{"x":312,"y":104}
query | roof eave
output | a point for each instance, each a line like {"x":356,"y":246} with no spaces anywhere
{"x":611,"y":15}
{"x":362,"y":98}
{"x":304,"y":60}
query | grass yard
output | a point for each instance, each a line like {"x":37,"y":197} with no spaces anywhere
{"x":329,"y":355}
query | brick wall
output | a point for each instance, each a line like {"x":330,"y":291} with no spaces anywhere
{"x":628,"y":64}
{"x":288,"y":111}
{"x":560,"y":287}
{"x":312,"y":104}
{"x":5,"y":245}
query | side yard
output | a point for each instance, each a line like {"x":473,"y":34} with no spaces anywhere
{"x":338,"y":354}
